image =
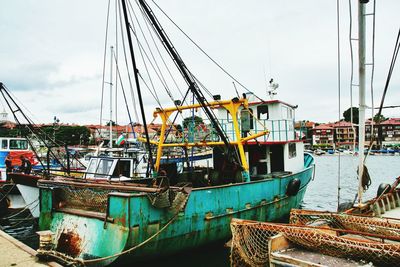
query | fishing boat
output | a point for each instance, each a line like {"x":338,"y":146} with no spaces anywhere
{"x":367,"y":232}
{"x":14,"y":148}
{"x":255,"y":173}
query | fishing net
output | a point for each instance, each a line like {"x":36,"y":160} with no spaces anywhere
{"x":250,"y":241}
{"x":373,"y":225}
{"x":249,"y":245}
{"x":88,"y":199}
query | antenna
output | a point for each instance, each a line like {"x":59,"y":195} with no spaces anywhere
{"x":271,"y":89}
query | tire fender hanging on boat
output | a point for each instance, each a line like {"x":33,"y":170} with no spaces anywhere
{"x":293,"y":187}
{"x":383,"y":189}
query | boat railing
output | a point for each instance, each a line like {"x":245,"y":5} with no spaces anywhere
{"x":279,"y":131}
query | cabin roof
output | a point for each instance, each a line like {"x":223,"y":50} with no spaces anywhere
{"x":271,"y":102}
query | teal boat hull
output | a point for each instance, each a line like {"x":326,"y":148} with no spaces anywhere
{"x":131,"y":219}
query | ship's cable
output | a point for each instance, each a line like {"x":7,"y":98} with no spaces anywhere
{"x":203,"y":51}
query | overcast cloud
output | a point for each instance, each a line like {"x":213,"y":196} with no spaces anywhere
{"x":51,"y":53}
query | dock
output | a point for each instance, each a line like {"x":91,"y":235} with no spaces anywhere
{"x":16,"y":253}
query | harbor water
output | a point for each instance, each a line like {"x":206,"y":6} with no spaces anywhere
{"x":322,"y":194}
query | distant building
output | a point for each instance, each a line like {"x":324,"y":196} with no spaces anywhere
{"x":304,"y":131}
{"x":323,"y":134}
{"x":3,"y":116}
{"x":344,"y":135}
{"x":374,"y":135}
{"x":390,"y":132}
{"x":4,"y":122}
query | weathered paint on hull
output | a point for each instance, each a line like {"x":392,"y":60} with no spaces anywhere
{"x":205,"y":219}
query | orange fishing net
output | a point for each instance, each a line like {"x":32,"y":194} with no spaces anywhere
{"x":356,"y":237}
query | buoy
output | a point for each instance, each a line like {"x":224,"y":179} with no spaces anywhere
{"x":383,"y":189}
{"x":293,"y":187}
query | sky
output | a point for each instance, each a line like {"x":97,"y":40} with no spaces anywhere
{"x":51,"y":55}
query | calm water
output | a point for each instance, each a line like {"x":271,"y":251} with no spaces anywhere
{"x":321,"y":195}
{"x":322,"y":192}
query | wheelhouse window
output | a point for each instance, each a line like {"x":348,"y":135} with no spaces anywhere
{"x":103,"y":168}
{"x":4,"y":144}
{"x":262,"y":112}
{"x":292,"y":150}
{"x":228,"y":116}
{"x":246,"y":120}
{"x":287,"y":113}
{"x":123,"y":168}
{"x":92,"y":166}
{"x":19,"y":144}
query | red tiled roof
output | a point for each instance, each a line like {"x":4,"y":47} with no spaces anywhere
{"x":341,"y":124}
{"x":391,"y":121}
{"x":323,"y":127}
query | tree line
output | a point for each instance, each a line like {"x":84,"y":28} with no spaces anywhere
{"x":70,"y":135}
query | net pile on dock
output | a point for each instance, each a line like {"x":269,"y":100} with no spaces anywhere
{"x":367,"y":224}
{"x":250,"y":243}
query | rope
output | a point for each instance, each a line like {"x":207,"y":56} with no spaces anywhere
{"x":158,"y":71}
{"x":104,"y":64}
{"x":7,"y":193}
{"x":351,"y":74}
{"x":127,"y":67}
{"x":372,"y":86}
{"x":204,"y":52}
{"x":389,"y":76}
{"x":24,"y":209}
{"x":365,"y":178}
{"x":132,"y":248}
{"x":142,"y":53}
{"x":162,"y":59}
{"x":123,"y":93}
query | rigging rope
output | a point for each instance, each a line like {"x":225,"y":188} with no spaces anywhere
{"x":158,"y":71}
{"x":142,"y":51}
{"x":104,"y":65}
{"x":162,"y":59}
{"x":30,"y":126}
{"x":351,"y":74}
{"x":389,"y":76}
{"x":127,"y":67}
{"x":116,"y":71}
{"x":204,"y":52}
{"x":123,"y":92}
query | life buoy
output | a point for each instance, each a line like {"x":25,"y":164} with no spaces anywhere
{"x":293,"y":187}
{"x":383,"y":189}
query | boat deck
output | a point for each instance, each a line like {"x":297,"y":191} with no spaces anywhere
{"x":16,"y":253}
{"x":393,"y":213}
{"x":297,"y":255}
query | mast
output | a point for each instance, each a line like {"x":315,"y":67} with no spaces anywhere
{"x":135,"y":70}
{"x":111,"y":84}
{"x":361,"y":110}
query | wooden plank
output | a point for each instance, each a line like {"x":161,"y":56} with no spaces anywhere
{"x":16,"y":253}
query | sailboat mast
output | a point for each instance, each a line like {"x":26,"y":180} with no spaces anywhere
{"x":361,"y":110}
{"x":135,"y":71}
